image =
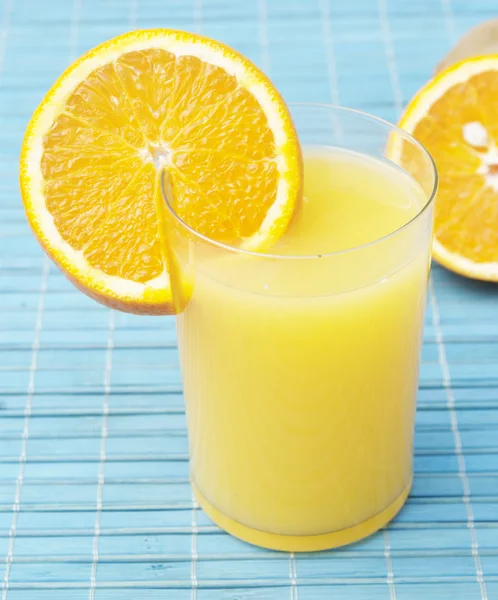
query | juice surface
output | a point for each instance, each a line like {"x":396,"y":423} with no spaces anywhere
{"x":300,"y":375}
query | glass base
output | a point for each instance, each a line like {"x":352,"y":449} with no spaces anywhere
{"x":303,"y":543}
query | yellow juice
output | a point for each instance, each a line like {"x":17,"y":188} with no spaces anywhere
{"x":300,"y":374}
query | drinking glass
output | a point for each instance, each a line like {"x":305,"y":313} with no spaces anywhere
{"x":300,"y":373}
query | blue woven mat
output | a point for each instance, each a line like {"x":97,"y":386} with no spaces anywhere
{"x":94,"y":494}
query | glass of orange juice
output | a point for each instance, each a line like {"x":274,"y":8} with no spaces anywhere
{"x":300,"y":365}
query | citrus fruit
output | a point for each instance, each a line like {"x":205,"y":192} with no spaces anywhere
{"x":146,"y":101}
{"x":454,"y":117}
{"x":480,"y":40}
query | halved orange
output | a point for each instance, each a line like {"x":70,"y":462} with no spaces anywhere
{"x":454,"y":116}
{"x":142,"y":102}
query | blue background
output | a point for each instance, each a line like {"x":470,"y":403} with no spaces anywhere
{"x":94,"y":494}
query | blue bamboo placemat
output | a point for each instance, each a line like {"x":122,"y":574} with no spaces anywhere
{"x":94,"y":495}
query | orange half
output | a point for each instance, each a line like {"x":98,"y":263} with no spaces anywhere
{"x":142,"y":102}
{"x":454,"y":116}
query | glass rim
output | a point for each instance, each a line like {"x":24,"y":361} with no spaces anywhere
{"x":269,"y":255}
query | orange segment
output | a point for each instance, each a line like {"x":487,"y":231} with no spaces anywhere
{"x":144,"y":102}
{"x":454,"y":117}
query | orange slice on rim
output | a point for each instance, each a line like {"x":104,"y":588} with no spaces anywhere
{"x":454,"y":117}
{"x":142,"y":102}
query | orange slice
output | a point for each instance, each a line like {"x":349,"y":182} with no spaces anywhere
{"x":142,"y":102}
{"x":454,"y":116}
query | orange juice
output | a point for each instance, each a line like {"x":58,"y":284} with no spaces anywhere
{"x":300,"y":370}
